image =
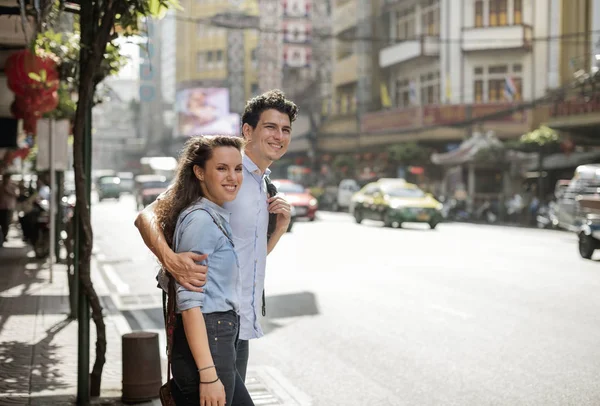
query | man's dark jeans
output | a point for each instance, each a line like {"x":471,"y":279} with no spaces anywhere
{"x":241,"y":362}
{"x":222,"y":330}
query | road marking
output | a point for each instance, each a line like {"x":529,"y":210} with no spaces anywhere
{"x":115,"y":280}
{"x":268,"y":386}
{"x":452,"y":312}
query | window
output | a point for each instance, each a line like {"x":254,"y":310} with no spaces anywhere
{"x":371,"y":189}
{"x":519,"y":89}
{"x":497,"y":69}
{"x":402,"y":93}
{"x":199,"y":61}
{"x":478,"y":91}
{"x":498,"y":12}
{"x":490,"y":83}
{"x":209,"y":59}
{"x":518,"y":12}
{"x":219,"y":57}
{"x":254,"y":89}
{"x":495,"y":90}
{"x":430,"y":88}
{"x":479,"y":13}
{"x":405,"y":24}
{"x":254,"y":58}
{"x":430,"y":17}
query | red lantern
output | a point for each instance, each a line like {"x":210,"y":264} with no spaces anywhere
{"x":16,"y":111}
{"x":47,"y":102}
{"x":20,"y":64}
{"x":299,"y":160}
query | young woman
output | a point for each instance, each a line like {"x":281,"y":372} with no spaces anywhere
{"x":191,"y":213}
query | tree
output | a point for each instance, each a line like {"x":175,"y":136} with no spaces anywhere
{"x":100,"y":22}
{"x":408,"y":153}
{"x":544,"y":141}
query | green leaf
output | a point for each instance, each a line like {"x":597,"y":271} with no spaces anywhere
{"x":34,"y":76}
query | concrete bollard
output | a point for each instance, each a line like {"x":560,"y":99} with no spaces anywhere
{"x":141,"y":366}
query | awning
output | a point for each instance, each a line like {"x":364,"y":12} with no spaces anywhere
{"x":564,"y":161}
{"x":467,"y":151}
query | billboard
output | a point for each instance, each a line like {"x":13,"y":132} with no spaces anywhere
{"x":296,"y":56}
{"x":205,"y":111}
{"x":296,"y":8}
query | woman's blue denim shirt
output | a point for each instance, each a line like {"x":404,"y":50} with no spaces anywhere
{"x":196,"y":231}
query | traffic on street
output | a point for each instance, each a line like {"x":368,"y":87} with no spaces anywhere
{"x":364,"y":314}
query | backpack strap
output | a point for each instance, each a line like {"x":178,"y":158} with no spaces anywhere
{"x":271,"y":191}
{"x":169,"y":299}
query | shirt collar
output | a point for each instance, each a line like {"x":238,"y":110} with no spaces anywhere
{"x":205,"y":203}
{"x":252,"y":167}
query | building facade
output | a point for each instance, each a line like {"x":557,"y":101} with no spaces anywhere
{"x":216,"y":56}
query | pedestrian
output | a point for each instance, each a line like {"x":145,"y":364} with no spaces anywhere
{"x":267,"y":129}
{"x":206,"y":326}
{"x":8,"y":202}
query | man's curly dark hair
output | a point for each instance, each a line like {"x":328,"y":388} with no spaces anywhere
{"x":273,"y":99}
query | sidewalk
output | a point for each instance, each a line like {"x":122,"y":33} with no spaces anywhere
{"x":38,"y":343}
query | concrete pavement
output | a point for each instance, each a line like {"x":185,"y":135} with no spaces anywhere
{"x":38,"y":342}
{"x":361,"y":314}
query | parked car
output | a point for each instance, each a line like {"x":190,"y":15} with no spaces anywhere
{"x":395,"y":201}
{"x":148,"y":188}
{"x":346,"y":189}
{"x":127,"y":182}
{"x":585,"y":182}
{"x":108,"y":187}
{"x":305,"y":205}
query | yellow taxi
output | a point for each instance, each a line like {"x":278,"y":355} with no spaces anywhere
{"x":395,"y":201}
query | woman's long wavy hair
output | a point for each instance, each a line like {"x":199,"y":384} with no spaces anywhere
{"x":185,"y":188}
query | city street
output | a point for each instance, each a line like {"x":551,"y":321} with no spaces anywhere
{"x":365,"y":315}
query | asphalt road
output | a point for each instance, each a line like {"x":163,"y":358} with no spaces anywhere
{"x":365,"y":315}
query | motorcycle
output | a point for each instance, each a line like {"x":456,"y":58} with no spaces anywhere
{"x":546,"y":217}
{"x":40,"y":238}
{"x":486,"y":213}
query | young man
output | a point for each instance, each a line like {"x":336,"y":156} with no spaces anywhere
{"x":267,"y":128}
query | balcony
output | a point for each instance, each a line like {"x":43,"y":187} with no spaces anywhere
{"x":345,"y":16}
{"x":497,"y":38}
{"x":409,"y":50}
{"x":345,"y":70}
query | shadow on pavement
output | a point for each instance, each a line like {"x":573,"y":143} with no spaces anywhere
{"x":22,"y":363}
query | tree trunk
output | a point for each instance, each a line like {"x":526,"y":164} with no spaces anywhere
{"x":94,"y":38}
{"x":86,"y":92}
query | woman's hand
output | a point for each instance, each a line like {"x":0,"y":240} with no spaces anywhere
{"x":212,"y":394}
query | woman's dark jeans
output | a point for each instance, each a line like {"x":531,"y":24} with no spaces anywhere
{"x":222,"y":330}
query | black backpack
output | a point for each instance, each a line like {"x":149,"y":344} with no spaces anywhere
{"x":271,"y":191}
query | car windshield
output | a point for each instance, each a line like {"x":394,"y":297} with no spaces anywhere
{"x":404,"y":192}
{"x":110,"y":180}
{"x":290,"y":188}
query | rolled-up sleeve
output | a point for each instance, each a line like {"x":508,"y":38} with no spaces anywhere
{"x":198,"y":234}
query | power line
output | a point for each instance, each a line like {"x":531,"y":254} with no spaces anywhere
{"x":375,"y":39}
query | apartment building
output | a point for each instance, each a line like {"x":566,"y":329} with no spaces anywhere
{"x":354,"y":71}
{"x":438,"y":62}
{"x":213,"y":56}
{"x":454,"y":60}
{"x":577,"y":116}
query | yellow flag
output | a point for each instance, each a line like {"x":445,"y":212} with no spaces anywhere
{"x":448,"y":89}
{"x":385,"y":97}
